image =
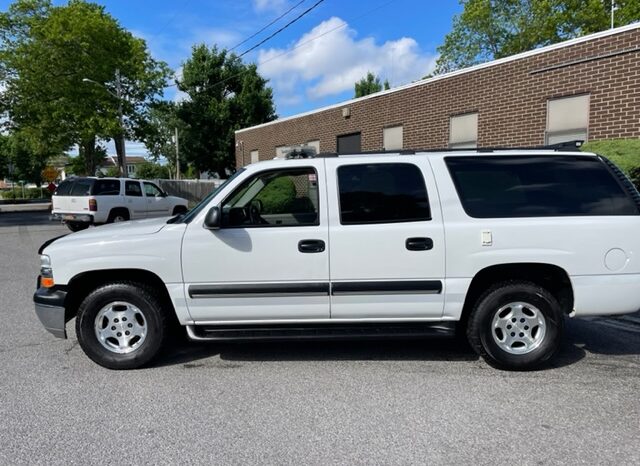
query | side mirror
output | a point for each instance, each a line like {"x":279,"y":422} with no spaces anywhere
{"x":212,"y":219}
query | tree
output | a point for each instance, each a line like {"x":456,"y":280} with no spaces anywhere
{"x":23,"y":156}
{"x":158,"y":133}
{"x":151,"y":171}
{"x":223,"y":95}
{"x":491,"y":29}
{"x":369,"y":85}
{"x":47,"y":51}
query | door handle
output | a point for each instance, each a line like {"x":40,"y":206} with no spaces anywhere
{"x":419,"y":244}
{"x":311,"y":245}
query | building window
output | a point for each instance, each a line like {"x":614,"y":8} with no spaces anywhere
{"x":349,"y":143}
{"x":255,"y":156}
{"x":307,"y":149}
{"x":131,"y":169}
{"x":567,"y":119}
{"x":392,"y":138}
{"x":314,"y":144}
{"x":463,"y":131}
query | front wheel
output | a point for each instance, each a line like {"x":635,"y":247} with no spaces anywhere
{"x":121,"y":325}
{"x":516,"y":325}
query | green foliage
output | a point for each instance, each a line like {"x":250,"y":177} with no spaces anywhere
{"x":277,"y":195}
{"x":45,"y":53}
{"x":23,"y":156}
{"x":158,"y":133}
{"x":29,"y":193}
{"x":224,"y":95}
{"x":112,"y":172}
{"x":152,"y":171}
{"x":625,"y":153}
{"x":370,"y":84}
{"x":490,"y":29}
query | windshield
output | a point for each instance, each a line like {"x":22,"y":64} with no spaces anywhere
{"x":201,"y":205}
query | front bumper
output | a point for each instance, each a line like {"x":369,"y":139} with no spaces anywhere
{"x":49,"y":304}
{"x":79,"y":218}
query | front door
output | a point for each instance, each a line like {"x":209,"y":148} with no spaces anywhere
{"x":387,"y":251}
{"x":157,"y":203}
{"x":270,"y":258}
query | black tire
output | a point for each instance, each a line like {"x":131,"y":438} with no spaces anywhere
{"x":480,"y":325}
{"x":118,"y":215}
{"x":155,"y":318}
{"x":179,"y":209}
{"x":77,"y":226}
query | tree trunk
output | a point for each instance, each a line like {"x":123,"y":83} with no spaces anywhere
{"x":117,"y":140}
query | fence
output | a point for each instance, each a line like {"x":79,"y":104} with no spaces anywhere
{"x":192,"y":190}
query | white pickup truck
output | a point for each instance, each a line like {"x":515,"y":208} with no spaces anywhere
{"x":502,"y":245}
{"x":83,"y":201}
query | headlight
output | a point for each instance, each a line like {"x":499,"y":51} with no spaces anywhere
{"x":46,"y":274}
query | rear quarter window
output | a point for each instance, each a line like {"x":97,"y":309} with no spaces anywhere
{"x":81,"y":188}
{"x":106,"y":188}
{"x":537,"y":186}
{"x":63,"y":188}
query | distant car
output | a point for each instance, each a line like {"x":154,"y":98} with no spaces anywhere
{"x":83,"y":201}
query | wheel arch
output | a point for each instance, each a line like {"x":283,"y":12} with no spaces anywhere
{"x":551,"y":277}
{"x":117,"y":209}
{"x":82,"y":284}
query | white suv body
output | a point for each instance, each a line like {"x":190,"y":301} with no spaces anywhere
{"x":84,"y":201}
{"x":463,"y":241}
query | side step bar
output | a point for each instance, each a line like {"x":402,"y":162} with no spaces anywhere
{"x":319,"y":331}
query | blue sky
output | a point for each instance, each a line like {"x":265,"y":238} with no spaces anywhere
{"x":396,"y":39}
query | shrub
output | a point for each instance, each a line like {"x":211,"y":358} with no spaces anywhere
{"x":625,"y":153}
{"x":277,"y":196}
{"x":635,"y":176}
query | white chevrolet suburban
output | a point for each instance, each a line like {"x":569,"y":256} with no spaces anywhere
{"x":501,"y":244}
{"x":80,"y":202}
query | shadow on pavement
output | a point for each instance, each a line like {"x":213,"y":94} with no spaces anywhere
{"x":11,"y":219}
{"x":597,"y":336}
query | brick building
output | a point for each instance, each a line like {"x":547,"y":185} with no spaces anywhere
{"x":586,"y":88}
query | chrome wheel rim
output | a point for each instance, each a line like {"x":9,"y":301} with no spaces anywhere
{"x":121,"y":327}
{"x":518,"y":328}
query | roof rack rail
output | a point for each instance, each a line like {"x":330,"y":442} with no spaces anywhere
{"x":568,"y":146}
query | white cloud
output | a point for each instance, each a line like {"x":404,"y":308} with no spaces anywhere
{"x":270,"y":5}
{"x":332,"y":63}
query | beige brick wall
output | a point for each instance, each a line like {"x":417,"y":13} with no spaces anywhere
{"x":510,"y":99}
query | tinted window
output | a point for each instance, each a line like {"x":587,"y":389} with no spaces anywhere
{"x":274,"y":198}
{"x":106,"y":188}
{"x":81,"y":188}
{"x":64,"y":188}
{"x":151,"y":190}
{"x":382,"y":193}
{"x":535,"y":186}
{"x":132,"y":188}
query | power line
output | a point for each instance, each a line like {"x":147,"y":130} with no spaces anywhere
{"x":270,"y":24}
{"x":302,"y":44}
{"x":282,"y":28}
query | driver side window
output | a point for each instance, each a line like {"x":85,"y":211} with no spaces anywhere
{"x":274,"y":198}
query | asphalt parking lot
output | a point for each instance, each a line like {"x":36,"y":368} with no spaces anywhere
{"x":427,"y":402}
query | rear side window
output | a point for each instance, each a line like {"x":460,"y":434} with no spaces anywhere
{"x":81,"y":188}
{"x":132,"y":188}
{"x":64,"y":188}
{"x":537,"y":186}
{"x":382,"y":193}
{"x":106,"y":188}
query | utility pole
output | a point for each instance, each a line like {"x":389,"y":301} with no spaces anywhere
{"x":123,"y":161}
{"x":177,"y":156}
{"x":614,"y":8}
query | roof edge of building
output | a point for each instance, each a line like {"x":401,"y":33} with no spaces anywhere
{"x":420,"y":82}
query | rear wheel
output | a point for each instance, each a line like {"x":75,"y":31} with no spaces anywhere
{"x":516,"y":325}
{"x":77,"y":226}
{"x":122,"y":325}
{"x":118,"y":215}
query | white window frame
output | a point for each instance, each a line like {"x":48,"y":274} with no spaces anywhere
{"x":463,"y":143}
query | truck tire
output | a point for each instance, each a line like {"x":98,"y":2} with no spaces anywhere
{"x":118,"y":215}
{"x":77,"y":226}
{"x":516,"y":325}
{"x":122,"y":325}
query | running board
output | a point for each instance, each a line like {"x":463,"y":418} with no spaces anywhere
{"x":319,"y":331}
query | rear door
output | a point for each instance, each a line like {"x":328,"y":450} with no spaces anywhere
{"x":157,"y":203}
{"x":134,"y":199}
{"x":387,"y":254}
{"x":61,"y":200}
